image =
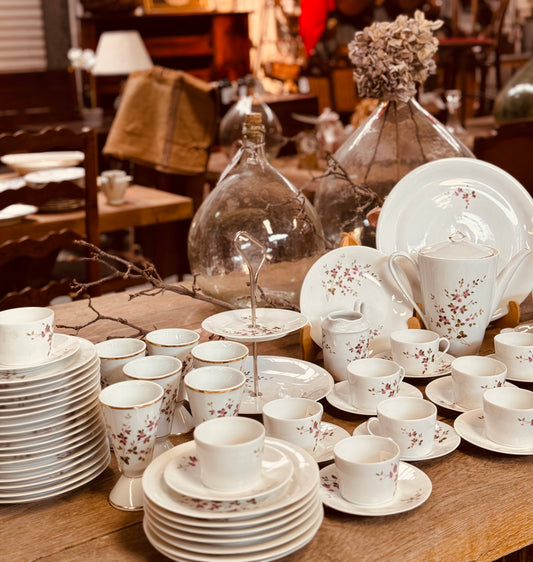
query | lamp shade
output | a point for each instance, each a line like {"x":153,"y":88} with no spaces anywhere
{"x":120,"y":52}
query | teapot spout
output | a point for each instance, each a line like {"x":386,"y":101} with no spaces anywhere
{"x":506,"y":274}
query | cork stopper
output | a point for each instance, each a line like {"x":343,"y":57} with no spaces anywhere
{"x":254,"y":119}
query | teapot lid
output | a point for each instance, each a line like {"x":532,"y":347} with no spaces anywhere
{"x":459,"y":247}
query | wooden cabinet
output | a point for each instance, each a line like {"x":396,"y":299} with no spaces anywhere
{"x":210,"y":45}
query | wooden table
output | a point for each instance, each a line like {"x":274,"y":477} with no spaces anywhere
{"x":143,"y":206}
{"x":481,"y":506}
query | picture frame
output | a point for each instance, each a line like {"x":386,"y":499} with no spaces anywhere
{"x":176,"y":6}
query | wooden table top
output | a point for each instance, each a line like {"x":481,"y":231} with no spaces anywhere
{"x":480,"y":508}
{"x":143,"y":206}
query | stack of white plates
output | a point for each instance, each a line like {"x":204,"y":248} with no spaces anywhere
{"x":52,"y":434}
{"x":42,"y":177}
{"x":184,"y":520}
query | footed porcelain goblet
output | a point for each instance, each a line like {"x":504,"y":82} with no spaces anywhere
{"x":166,"y":372}
{"x":131,"y":411}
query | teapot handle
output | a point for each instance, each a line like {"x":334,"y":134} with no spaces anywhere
{"x":395,"y":269}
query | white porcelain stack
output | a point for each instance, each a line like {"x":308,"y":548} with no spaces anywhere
{"x":184,"y":520}
{"x":52,"y":434}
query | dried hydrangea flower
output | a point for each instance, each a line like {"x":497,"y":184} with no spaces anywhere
{"x":390,"y":58}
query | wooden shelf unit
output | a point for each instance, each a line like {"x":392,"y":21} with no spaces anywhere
{"x":209,"y":45}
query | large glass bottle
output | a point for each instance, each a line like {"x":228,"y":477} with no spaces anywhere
{"x":253,"y":196}
{"x":396,"y":138}
{"x":515,"y":100}
{"x":230,"y":128}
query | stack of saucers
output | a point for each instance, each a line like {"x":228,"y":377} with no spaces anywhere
{"x":52,"y":434}
{"x":185,"y":520}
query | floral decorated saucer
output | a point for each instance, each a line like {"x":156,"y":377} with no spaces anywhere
{"x":445,"y":441}
{"x":444,"y":366}
{"x":271,"y":324}
{"x":340,"y":397}
{"x":183,"y":476}
{"x":414,"y":488}
{"x":471,"y":427}
{"x":329,"y":435}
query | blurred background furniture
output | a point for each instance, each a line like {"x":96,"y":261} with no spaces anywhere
{"x":510,"y":147}
{"x":36,"y":270}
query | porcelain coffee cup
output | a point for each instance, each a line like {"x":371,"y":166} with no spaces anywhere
{"x":166,"y":372}
{"x":408,"y":421}
{"x":508,"y":414}
{"x":230,"y":453}
{"x":367,"y":466}
{"x":515,"y":349}
{"x":296,"y":420}
{"x":26,"y":335}
{"x":114,"y":184}
{"x":373,"y":380}
{"x":472,"y":375}
{"x":214,"y":392}
{"x":219,"y":353}
{"x":177,"y":342}
{"x":114,"y":354}
{"x":418,"y":351}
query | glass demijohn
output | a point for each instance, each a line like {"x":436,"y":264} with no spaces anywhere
{"x":254,"y":197}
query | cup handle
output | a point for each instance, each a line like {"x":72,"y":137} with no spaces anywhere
{"x":372,"y":426}
{"x":394,"y":268}
{"x":402,"y":374}
{"x":446,"y":343}
{"x":359,"y":306}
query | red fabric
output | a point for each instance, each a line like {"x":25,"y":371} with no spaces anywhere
{"x":312,"y":21}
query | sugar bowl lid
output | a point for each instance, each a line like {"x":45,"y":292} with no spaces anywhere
{"x":458,"y":247}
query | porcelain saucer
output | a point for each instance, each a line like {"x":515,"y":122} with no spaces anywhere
{"x":271,"y":324}
{"x":63,"y":347}
{"x":183,"y":476}
{"x":444,"y":366}
{"x":414,"y":488}
{"x":471,"y":427}
{"x":445,"y":441}
{"x":340,"y":397}
{"x":440,"y":392}
{"x":329,"y":435}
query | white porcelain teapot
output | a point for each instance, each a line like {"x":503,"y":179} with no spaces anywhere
{"x":460,"y":288}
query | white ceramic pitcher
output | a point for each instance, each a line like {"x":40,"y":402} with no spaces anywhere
{"x":345,"y":338}
{"x":460,"y":288}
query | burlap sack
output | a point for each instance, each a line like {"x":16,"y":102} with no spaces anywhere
{"x":166,"y":119}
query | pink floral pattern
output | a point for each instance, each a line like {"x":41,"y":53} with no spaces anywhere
{"x":424,"y":357}
{"x":415,"y":438}
{"x":392,"y":473}
{"x":459,"y":309}
{"x":343,"y":279}
{"x":45,"y":332}
{"x":230,"y":408}
{"x":387,"y":389}
{"x":312,"y":427}
{"x":465,"y":194}
{"x":527,"y":358}
{"x":330,"y":482}
{"x":132,"y":447}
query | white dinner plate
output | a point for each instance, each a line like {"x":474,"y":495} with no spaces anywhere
{"x":27,"y":162}
{"x":271,"y":324}
{"x":281,"y":377}
{"x":15,"y":213}
{"x":183,"y":475}
{"x":343,"y":276}
{"x":461,"y":194}
{"x":413,"y":489}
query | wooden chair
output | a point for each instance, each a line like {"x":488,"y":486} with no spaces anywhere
{"x":27,"y":265}
{"x":510,"y":147}
{"x":459,"y":56}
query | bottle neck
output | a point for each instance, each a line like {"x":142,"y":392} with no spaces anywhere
{"x":253,"y":144}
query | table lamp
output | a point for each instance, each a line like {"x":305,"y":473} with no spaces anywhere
{"x":119,"y":53}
